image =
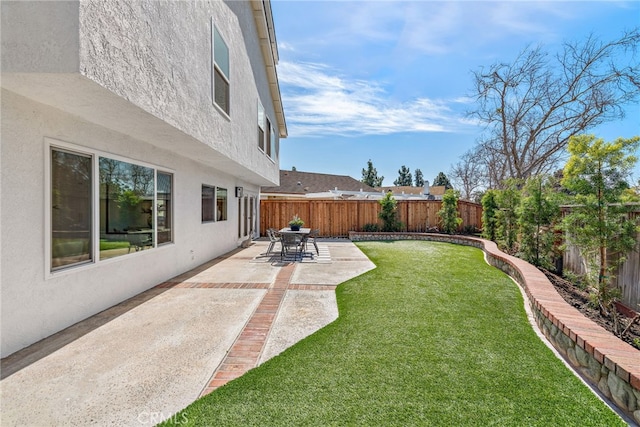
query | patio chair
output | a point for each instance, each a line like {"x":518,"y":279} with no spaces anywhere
{"x":291,"y":243}
{"x":274,"y":238}
{"x":311,"y":238}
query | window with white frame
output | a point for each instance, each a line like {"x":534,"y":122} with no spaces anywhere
{"x":133,"y":206}
{"x":208,"y":203}
{"x":71,"y":208}
{"x":126,"y":207}
{"x":274,"y":145}
{"x":221,"y":203}
{"x":220,"y":71}
{"x":214,"y":203}
{"x":267,"y":135}
{"x":261,"y":119}
{"x":164,"y":207}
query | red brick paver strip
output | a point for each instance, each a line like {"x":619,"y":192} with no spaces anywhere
{"x":245,"y":351}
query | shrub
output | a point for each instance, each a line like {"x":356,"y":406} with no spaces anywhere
{"x":371,"y":228}
{"x":489,"y":210}
{"x":449,"y":212}
{"x":388,"y":213}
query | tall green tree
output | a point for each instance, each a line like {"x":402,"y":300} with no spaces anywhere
{"x":538,"y":214}
{"x":442,"y":180}
{"x":370,"y":176}
{"x":419,"y":179}
{"x":598,"y":223}
{"x":389,"y":213}
{"x":489,"y":215}
{"x":404,"y":177}
{"x":448,"y":213}
{"x":508,"y":201}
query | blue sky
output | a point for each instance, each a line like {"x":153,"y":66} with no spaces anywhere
{"x":389,"y":81}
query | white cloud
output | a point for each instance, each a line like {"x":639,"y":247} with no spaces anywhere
{"x":441,"y":27}
{"x":319,"y":102}
{"x":284,"y":46}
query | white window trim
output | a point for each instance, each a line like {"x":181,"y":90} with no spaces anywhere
{"x":213,"y":72}
{"x":51,"y":143}
{"x":215,"y":219}
{"x":273,"y":150}
{"x":274,"y":144}
{"x":261,"y":125}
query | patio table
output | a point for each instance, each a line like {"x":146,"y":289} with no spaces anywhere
{"x":302,"y":233}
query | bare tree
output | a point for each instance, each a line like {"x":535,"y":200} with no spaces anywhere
{"x":532,"y":106}
{"x":468,"y":175}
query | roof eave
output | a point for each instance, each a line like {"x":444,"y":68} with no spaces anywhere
{"x":266,"y":32}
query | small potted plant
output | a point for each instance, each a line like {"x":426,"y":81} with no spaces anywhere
{"x":296,"y":223}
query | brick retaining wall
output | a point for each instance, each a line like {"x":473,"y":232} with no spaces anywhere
{"x":607,"y":362}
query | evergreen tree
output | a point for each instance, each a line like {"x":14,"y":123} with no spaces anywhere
{"x":419,"y":179}
{"x":489,"y":213}
{"x":389,"y":213}
{"x":404,"y":177}
{"x":538,"y":212}
{"x":598,"y":223}
{"x":449,"y":215}
{"x":442,"y":180}
{"x":370,"y":176}
{"x":508,"y":201}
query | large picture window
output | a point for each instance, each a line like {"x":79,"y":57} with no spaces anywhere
{"x":133,"y":208}
{"x":126,"y":207}
{"x":220,"y":71}
{"x":71,"y":208}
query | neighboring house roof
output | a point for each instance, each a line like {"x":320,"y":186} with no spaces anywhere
{"x":405,"y":189}
{"x":437,"y":190}
{"x":302,"y":183}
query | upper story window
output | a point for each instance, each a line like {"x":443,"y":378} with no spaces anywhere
{"x":220,"y":71}
{"x":267,"y":141}
{"x":260,"y":126}
{"x":274,"y":145}
{"x":267,"y":136}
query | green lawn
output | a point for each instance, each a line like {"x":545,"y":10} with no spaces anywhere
{"x":432,"y":336}
{"x":107,"y":245}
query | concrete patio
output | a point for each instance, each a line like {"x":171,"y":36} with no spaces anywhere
{"x":141,"y":361}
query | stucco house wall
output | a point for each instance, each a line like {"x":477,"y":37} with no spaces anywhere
{"x":129,"y":80}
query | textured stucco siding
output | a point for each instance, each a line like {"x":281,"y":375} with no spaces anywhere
{"x":158,"y":56}
{"x":39,"y":36}
{"x":132,"y":80}
{"x":36,"y":304}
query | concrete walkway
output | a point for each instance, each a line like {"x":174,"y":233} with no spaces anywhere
{"x":148,"y":357}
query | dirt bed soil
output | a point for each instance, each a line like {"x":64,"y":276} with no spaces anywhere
{"x":579,"y":299}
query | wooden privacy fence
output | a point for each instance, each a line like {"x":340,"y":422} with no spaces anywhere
{"x":627,"y":275}
{"x":335,"y":218}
